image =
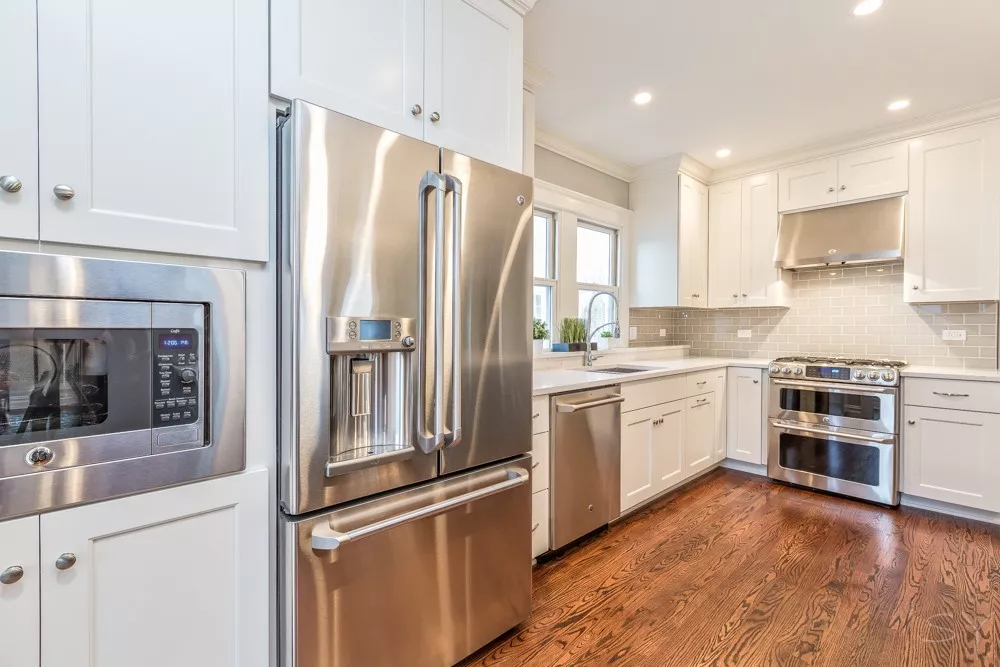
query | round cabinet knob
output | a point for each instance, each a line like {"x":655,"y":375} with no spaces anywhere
{"x":744,"y":296}
{"x":408,"y":342}
{"x":797,"y":371}
{"x":64,"y":192}
{"x":10,"y":184}
{"x":915,"y":287}
{"x":736,"y":296}
{"x":843,"y":187}
{"x":911,"y":422}
{"x":872,"y":375}
{"x":435,"y":116}
{"x":11,"y":575}
{"x":416,"y":110}
{"x":888,"y":376}
{"x":65,"y":561}
{"x":188,"y":376}
{"x":830,"y":190}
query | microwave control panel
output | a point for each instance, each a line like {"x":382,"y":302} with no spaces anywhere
{"x":177,"y":382}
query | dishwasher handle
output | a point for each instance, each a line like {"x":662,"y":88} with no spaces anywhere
{"x":575,"y":407}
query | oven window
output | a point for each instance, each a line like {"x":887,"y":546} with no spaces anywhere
{"x":855,"y":406}
{"x":51,"y":384}
{"x":830,"y":458}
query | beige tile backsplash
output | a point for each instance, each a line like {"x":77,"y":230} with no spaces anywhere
{"x":847,"y":311}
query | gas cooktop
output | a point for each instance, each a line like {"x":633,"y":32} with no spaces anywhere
{"x":838,"y":369}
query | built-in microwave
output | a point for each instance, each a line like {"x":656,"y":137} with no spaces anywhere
{"x":116,"y":377}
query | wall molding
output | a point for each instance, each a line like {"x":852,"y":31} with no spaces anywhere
{"x":536,"y":77}
{"x":522,"y":7}
{"x":568,"y":149}
{"x":582,"y":205}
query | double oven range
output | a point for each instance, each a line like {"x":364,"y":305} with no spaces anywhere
{"x":833,"y":425}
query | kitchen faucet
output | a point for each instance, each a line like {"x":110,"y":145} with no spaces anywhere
{"x":588,"y":355}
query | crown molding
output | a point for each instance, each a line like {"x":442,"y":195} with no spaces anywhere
{"x":976,"y":113}
{"x":535,"y":77}
{"x":568,"y":149}
{"x":522,"y":7}
{"x":673,"y":164}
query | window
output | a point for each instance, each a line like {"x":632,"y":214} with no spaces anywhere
{"x":597,"y":250}
{"x":543,"y":298}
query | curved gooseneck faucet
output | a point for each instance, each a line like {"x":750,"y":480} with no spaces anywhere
{"x":588,"y":354}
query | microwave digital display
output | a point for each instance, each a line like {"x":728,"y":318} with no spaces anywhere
{"x":176,"y":341}
{"x":376,"y":330}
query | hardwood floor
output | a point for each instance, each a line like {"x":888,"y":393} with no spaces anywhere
{"x":737,"y":570}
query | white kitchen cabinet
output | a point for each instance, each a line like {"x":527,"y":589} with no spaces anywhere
{"x":745,"y":416}
{"x":638,"y":442}
{"x":540,"y":475}
{"x":953,"y":223}
{"x":363,"y":59}
{"x":539,"y":523}
{"x":951,"y":456}
{"x":669,"y":433}
{"x":865,"y":174}
{"x":539,"y":462}
{"x":719,"y":390}
{"x":693,"y":243}
{"x":153,"y":126}
{"x":19,"y":120}
{"x":725,"y":244}
{"x":173,"y":577}
{"x":19,"y":590}
{"x":699,"y":433}
{"x":808,"y":185}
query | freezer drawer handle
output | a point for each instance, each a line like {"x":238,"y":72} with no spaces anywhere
{"x":325,"y":538}
{"x":575,"y":407}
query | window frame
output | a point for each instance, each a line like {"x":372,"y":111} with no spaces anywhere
{"x":614,"y":265}
{"x":552,"y":269}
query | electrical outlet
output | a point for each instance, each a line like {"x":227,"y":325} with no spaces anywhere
{"x":663,"y":333}
{"x":743,"y":333}
{"x":633,"y":333}
{"x":953,"y":334}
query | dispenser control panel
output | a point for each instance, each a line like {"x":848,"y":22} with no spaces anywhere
{"x":370,"y":334}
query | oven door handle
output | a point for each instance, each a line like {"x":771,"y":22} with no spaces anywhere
{"x":836,"y":388}
{"x":795,"y":428}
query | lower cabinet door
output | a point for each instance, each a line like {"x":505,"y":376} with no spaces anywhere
{"x":951,"y":456}
{"x":699,"y":435}
{"x":745,"y":410}
{"x":173,"y":577}
{"x":539,"y":523}
{"x":669,"y":435}
{"x":637,"y":456}
{"x":719,"y":386}
{"x":19,"y":592}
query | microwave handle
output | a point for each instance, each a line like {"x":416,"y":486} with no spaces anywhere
{"x":453,"y":431}
{"x":430,"y":375}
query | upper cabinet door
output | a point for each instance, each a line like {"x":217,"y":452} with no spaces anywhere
{"x":807,"y":185}
{"x":154,"y":125}
{"x":693,"y":244}
{"x":19,"y":586}
{"x":953,"y":223}
{"x":19,"y":120}
{"x":875,"y":172}
{"x":474,"y":77}
{"x":762,"y":285}
{"x":724,"y":244}
{"x":362,"y":59}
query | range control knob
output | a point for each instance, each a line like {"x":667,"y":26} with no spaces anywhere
{"x":797,"y":371}
{"x":888,"y":376}
{"x":188,"y":376}
{"x":786,"y":370}
{"x":872,"y":375}
{"x":408,"y":341}
{"x":859,"y":375}
{"x":775,"y":370}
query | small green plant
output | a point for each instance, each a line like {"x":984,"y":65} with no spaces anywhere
{"x":607,"y":334}
{"x":572,"y":330}
{"x":541,"y":330}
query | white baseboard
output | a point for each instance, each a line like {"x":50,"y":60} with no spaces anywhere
{"x":743,"y":466}
{"x":949,"y":508}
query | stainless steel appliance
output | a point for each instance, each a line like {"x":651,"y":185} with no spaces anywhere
{"x":405,"y":428}
{"x":116,"y":377}
{"x":585,"y":462}
{"x":834,"y":425}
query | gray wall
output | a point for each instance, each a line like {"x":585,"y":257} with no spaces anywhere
{"x":559,"y":170}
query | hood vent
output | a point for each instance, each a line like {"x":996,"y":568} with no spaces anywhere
{"x":850,"y":234}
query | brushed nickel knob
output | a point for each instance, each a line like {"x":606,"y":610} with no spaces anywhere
{"x":65,"y":561}
{"x":915,"y":287}
{"x":830,"y":190}
{"x":736,"y":296}
{"x":11,"y":575}
{"x":416,"y":110}
{"x":10,"y":184}
{"x":911,"y":422}
{"x":64,"y":192}
{"x":435,"y":116}
{"x":756,"y":381}
{"x":744,"y":296}
{"x":843,"y":187}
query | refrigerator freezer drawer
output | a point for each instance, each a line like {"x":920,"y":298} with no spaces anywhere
{"x":421,"y":577}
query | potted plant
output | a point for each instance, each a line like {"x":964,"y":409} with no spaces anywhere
{"x":572,"y":332}
{"x":540,"y":334}
{"x":604,"y":341}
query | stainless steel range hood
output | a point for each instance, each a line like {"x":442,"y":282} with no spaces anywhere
{"x":850,"y":234}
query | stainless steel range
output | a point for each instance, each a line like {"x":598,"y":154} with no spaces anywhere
{"x":833,"y":424}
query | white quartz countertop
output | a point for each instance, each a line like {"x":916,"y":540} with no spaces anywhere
{"x":941,"y":373}
{"x":562,"y":380}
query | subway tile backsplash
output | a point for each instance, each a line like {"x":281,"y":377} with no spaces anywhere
{"x":855,"y":311}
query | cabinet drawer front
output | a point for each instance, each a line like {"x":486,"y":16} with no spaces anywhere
{"x":539,"y":414}
{"x":952,"y":394}
{"x":539,"y":523}
{"x":645,"y":393}
{"x":539,"y":462}
{"x":700,"y":383}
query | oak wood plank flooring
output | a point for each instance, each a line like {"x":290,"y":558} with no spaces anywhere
{"x":737,"y":570}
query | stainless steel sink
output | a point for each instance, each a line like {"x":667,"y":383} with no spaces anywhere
{"x":621,"y":370}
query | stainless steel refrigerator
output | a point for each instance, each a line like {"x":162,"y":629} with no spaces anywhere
{"x":405,"y":396}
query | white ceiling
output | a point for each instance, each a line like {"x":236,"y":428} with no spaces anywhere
{"x":757,"y":76}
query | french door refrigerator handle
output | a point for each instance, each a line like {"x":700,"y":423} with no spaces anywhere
{"x":430,"y":412}
{"x":453,"y":431}
{"x":325,"y":538}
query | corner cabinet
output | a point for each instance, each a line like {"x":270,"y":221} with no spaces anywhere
{"x":953,"y":222}
{"x":449,"y":72}
{"x":692,"y":290}
{"x":745,"y":427}
{"x":19,"y":118}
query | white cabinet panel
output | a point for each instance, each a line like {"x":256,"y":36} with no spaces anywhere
{"x":539,"y":523}
{"x":156,"y":115}
{"x":951,"y":456}
{"x":362,"y":59}
{"x":539,"y":462}
{"x":693,"y":243}
{"x":725,"y":248}
{"x":953,"y":223}
{"x":19,"y":598}
{"x":761,"y":283}
{"x":174,"y":577}
{"x":474,"y":78}
{"x":745,"y":415}
{"x":19,"y":120}
{"x":637,"y":456}
{"x":719,"y":389}
{"x":539,"y":414}
{"x":699,"y":434}
{"x":807,"y":185}
{"x":668,"y":445}
{"x":873,"y":172}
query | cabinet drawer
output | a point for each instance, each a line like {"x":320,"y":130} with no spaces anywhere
{"x":539,"y":414}
{"x":539,"y":523}
{"x":952,"y":394}
{"x":700,"y":383}
{"x":645,"y":393}
{"x":539,"y":462}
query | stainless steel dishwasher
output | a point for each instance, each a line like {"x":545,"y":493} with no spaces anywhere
{"x":586,"y":461}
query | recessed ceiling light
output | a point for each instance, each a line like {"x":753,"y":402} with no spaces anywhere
{"x":899,"y":105}
{"x":723,"y":152}
{"x":642,"y":98}
{"x":866,"y":7}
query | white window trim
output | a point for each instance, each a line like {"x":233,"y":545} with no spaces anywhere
{"x":570,"y":208}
